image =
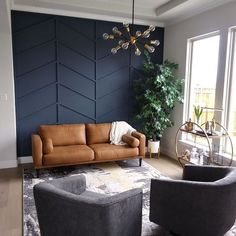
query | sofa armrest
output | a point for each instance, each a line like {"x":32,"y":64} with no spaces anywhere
{"x":205,"y":173}
{"x":47,"y":146}
{"x":37,"y":150}
{"x":188,"y":201}
{"x":178,"y":197}
{"x":75,"y":213}
{"x":122,"y":208}
{"x":142,"y":142}
{"x":72,"y":184}
{"x":130,"y":140}
{"x":122,"y":197}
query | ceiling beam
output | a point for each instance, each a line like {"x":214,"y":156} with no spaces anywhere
{"x":52,"y":7}
{"x":169,"y":6}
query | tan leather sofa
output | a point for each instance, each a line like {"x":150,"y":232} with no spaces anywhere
{"x":73,"y":144}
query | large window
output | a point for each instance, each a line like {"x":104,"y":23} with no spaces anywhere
{"x":203,"y":64}
{"x":203,"y":86}
{"x":201,"y":81}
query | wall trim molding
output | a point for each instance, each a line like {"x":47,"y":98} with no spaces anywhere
{"x":8,"y":164}
{"x":25,"y":160}
{"x":85,"y":15}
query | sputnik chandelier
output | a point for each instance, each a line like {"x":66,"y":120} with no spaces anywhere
{"x":126,"y":38}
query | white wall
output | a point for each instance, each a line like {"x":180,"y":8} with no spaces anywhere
{"x":7,"y":99}
{"x":176,"y":36}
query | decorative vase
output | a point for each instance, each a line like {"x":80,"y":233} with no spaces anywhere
{"x":198,"y":120}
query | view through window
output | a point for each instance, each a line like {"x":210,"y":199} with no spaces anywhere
{"x":203,"y":75}
{"x":202,"y":82}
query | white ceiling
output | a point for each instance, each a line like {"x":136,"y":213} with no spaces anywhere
{"x":158,"y":12}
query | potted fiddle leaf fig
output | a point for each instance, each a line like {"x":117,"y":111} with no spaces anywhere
{"x":157,"y":91}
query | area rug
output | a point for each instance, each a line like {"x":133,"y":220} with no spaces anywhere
{"x":108,"y":178}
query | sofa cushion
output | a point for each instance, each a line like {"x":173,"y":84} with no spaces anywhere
{"x":98,"y":133}
{"x":64,"y":134}
{"x":130,"y":140}
{"x":111,"y":152}
{"x":68,"y":155}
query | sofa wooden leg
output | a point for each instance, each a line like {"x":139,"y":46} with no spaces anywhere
{"x":140,"y":161}
{"x":37,"y":173}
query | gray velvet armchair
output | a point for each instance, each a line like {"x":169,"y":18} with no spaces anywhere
{"x":202,"y":204}
{"x":64,"y":207}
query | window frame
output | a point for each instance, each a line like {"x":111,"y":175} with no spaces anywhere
{"x":230,"y":57}
{"x":231,"y":51}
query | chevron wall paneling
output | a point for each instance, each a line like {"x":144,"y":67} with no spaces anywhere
{"x":65,"y":73}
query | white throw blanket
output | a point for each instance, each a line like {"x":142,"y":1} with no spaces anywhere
{"x":118,"y":129}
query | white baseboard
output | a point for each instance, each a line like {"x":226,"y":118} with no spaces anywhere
{"x":25,"y":160}
{"x":8,"y":164}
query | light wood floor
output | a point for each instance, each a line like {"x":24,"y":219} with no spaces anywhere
{"x":11,"y":202}
{"x":11,"y":193}
{"x":167,"y":166}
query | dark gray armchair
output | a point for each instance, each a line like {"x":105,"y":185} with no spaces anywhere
{"x":202,"y":204}
{"x":64,"y":207}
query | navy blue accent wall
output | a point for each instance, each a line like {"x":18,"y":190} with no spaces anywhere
{"x":65,"y":73}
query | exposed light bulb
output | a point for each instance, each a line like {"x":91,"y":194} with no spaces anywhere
{"x":126,"y":25}
{"x":152,"y":28}
{"x":138,"y":33}
{"x":125,"y":45}
{"x":137,"y":51}
{"x":146,"y":33}
{"x":121,"y":42}
{"x":114,"y":50}
{"x":115,"y":30}
{"x":155,"y":42}
{"x":105,"y":36}
{"x":150,"y":49}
